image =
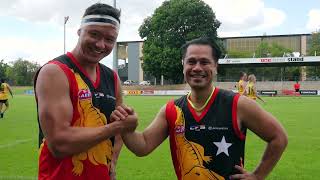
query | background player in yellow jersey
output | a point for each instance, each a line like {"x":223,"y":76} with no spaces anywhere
{"x":242,"y":83}
{"x":4,"y":96}
{"x":251,"y":90}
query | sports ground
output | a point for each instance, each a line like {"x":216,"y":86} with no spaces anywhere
{"x":299,"y":116}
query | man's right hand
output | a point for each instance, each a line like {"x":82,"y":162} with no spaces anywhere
{"x":125,"y":118}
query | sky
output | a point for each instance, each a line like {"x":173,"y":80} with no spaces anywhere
{"x":33,"y":29}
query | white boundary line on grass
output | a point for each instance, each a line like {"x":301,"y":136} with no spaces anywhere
{"x":14,"y":143}
{"x":17,"y":177}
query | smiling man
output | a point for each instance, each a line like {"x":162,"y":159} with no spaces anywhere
{"x":207,"y":128}
{"x":75,"y":97}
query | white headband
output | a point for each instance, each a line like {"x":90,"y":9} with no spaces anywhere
{"x":102,"y":20}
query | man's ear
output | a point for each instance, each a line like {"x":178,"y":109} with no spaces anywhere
{"x":182,"y":62}
{"x":78,"y":32}
{"x":215,"y":69}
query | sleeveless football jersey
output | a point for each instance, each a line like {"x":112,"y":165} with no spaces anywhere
{"x":241,"y":87}
{"x":251,"y":91}
{"x":92,"y":103}
{"x":209,"y":145}
{"x":4,"y":91}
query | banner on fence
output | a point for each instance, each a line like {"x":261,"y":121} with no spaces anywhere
{"x":147,"y":92}
{"x":309,"y":92}
{"x":268,"y":92}
{"x":134,"y":92}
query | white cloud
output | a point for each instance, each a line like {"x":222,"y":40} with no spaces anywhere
{"x":52,"y":12}
{"x":133,"y":14}
{"x":313,"y":23}
{"x":229,"y":33}
{"x":13,"y":48}
{"x":237,"y":17}
{"x":272,"y":18}
{"x":240,"y":17}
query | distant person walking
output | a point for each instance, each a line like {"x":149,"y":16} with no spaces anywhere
{"x":296,"y":87}
{"x":251,"y":89}
{"x":4,"y":96}
{"x":242,"y":83}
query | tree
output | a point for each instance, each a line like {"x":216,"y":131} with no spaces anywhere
{"x":23,"y":71}
{"x":264,"y":49}
{"x":314,"y":71}
{"x":277,"y":50}
{"x":240,"y":54}
{"x":314,"y":44}
{"x":3,"y":69}
{"x":171,"y":25}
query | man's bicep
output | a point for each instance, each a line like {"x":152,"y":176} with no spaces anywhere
{"x":257,"y":120}
{"x":55,"y":107}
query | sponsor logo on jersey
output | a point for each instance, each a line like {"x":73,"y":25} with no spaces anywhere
{"x":197,"y":128}
{"x":101,"y":95}
{"x":179,"y":129}
{"x":204,"y":127}
{"x":84,"y":94}
{"x":111,"y":97}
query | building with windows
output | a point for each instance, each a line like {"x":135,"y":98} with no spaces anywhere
{"x":296,"y":42}
{"x":127,"y":57}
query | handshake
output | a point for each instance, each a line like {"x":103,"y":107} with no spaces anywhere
{"x":124,"y":119}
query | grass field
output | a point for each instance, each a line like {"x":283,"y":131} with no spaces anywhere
{"x":299,"y":116}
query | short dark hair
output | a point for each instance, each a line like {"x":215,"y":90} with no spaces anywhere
{"x":103,"y":9}
{"x":242,"y":74}
{"x":3,"y":80}
{"x":216,"y":50}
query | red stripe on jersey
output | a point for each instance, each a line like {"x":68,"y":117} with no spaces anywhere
{"x":73,"y":87}
{"x":75,"y":61}
{"x":97,"y":83}
{"x":171,"y":116}
{"x":115,"y":76}
{"x":236,"y":129}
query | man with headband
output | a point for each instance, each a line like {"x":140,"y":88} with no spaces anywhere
{"x":75,"y":97}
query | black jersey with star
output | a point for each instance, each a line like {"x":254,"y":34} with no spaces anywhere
{"x":206,"y":145}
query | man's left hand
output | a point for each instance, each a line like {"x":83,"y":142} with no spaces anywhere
{"x":245,"y":175}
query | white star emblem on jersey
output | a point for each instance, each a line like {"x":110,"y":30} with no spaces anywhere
{"x":222,"y":146}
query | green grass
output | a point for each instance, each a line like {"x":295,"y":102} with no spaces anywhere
{"x":299,"y":116}
{"x":20,"y":89}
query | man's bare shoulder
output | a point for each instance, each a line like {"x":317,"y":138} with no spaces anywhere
{"x":50,"y":70}
{"x":51,"y":78}
{"x":247,"y":104}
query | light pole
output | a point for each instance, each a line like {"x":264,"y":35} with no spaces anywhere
{"x":115,"y":48}
{"x":64,"y":33}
